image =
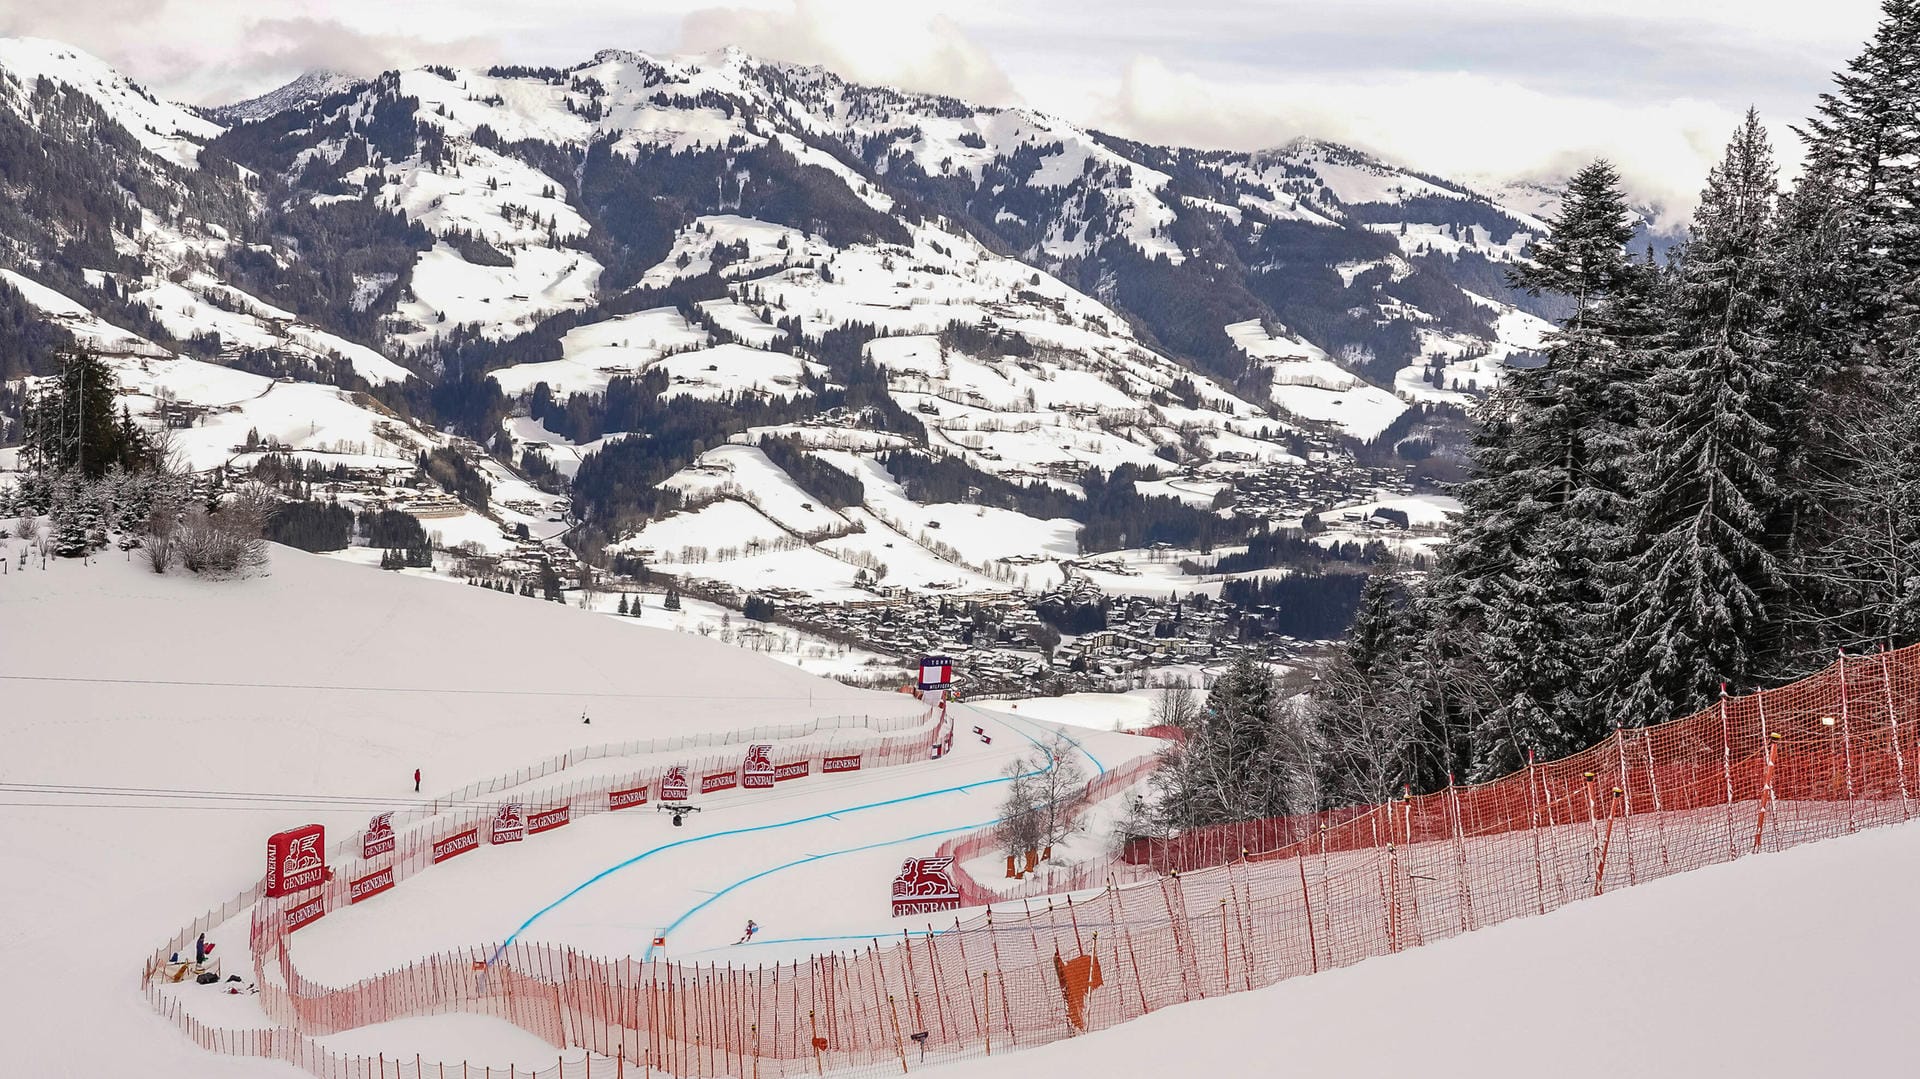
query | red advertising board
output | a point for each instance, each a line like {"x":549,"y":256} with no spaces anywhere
{"x":307,"y":911}
{"x":757,"y":770}
{"x":455,"y":844}
{"x":296,"y":859}
{"x":626,"y":799}
{"x":924,"y":886}
{"x":509,"y":826}
{"x":847,"y":763}
{"x":675,"y":788}
{"x":378,"y":839}
{"x":548,"y":819}
{"x":370,"y":885}
{"x":719,"y":781}
{"x":792,"y":770}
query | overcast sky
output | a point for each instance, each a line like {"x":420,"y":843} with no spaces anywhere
{"x":1477,"y":89}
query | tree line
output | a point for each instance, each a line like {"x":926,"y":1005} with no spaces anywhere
{"x":1712,"y":480}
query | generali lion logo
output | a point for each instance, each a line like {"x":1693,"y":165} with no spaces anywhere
{"x":379,"y":838}
{"x":508,"y":824}
{"x":926,"y":878}
{"x":757,"y":770}
{"x":675,"y":788}
{"x":302,"y":855}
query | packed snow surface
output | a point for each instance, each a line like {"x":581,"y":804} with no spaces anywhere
{"x":1776,"y":967}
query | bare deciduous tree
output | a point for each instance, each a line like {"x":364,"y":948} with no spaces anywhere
{"x":1176,"y":706}
{"x":228,"y":542}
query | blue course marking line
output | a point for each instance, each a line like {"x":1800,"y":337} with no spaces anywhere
{"x":803,"y":861}
{"x":1061,"y":729}
{"x":648,"y":955}
{"x":644,"y":855}
{"x":677,"y":922}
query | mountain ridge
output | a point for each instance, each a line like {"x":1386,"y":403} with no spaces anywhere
{"x":594,"y":276}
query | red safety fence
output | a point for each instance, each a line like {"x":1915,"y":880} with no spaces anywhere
{"x":1823,"y":757}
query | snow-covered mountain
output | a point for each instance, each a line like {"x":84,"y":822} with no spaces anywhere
{"x":606,"y":273}
{"x":309,"y":89}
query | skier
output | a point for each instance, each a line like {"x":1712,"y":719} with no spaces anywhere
{"x":416,"y":781}
{"x":748,"y":935}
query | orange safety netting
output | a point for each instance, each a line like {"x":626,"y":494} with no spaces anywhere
{"x":1250,"y":905}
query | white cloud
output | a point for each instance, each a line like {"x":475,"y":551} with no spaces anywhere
{"x":871,"y":41}
{"x":1456,"y":124}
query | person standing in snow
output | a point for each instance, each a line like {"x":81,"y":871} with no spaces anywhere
{"x":416,"y":781}
{"x":748,"y":935}
{"x":200,"y":949}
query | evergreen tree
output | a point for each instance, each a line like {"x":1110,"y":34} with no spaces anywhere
{"x":1710,"y":581}
{"x":623,"y":603}
{"x":1533,"y":568}
{"x":1851,"y":312}
{"x":672,"y":602}
{"x":69,"y":535}
{"x":73,"y":425}
{"x":1244,"y":757}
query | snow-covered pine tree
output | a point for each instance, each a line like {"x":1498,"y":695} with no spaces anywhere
{"x":1851,"y":315}
{"x":1709,"y":579}
{"x":68,"y":536}
{"x":1533,"y":569}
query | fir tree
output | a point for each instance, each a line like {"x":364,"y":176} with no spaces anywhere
{"x":1710,"y":578}
{"x":1533,"y":568}
{"x":1851,"y":314}
{"x":672,"y":602}
{"x":72,"y":423}
{"x":623,"y":603}
{"x":69,"y":536}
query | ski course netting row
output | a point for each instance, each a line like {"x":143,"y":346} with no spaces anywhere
{"x":1823,"y":757}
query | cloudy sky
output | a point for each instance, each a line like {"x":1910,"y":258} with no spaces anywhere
{"x":1480,"y":89}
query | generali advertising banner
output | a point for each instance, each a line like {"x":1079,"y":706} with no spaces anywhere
{"x":847,"y":763}
{"x":296,"y":859}
{"x":627,"y":799}
{"x":309,"y":911}
{"x":548,"y":819}
{"x":719,"y":781}
{"x":456,"y":844}
{"x":370,"y":885}
{"x":509,"y":825}
{"x":792,"y":770}
{"x":378,"y":839}
{"x":675,"y":787}
{"x":757,"y":770}
{"x":925,"y":886}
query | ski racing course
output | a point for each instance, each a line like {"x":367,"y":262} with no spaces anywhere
{"x":810,"y":861}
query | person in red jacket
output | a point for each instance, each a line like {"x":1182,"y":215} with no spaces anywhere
{"x":416,"y":781}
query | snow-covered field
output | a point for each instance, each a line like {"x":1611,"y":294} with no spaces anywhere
{"x":311,"y":694}
{"x":1777,"y":967}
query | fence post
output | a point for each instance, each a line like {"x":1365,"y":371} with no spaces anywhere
{"x":1306,"y":902}
{"x":1893,"y":717}
{"x":1653,"y":787}
{"x":1626,"y":801}
{"x":1600,"y":870}
{"x":1460,"y":853}
{"x":1533,"y":826}
{"x":898,"y":1045}
{"x":1766,"y":789}
{"x":1726,"y":768}
{"x":1846,"y":737}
